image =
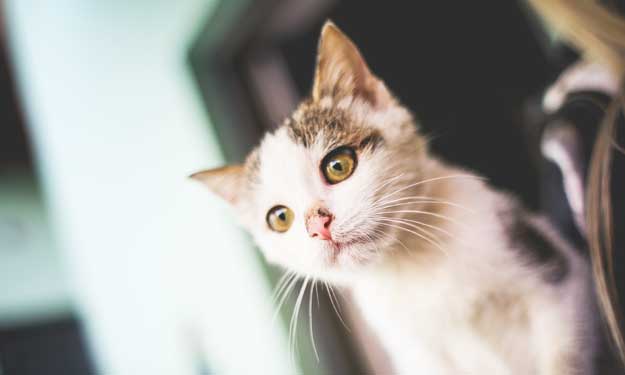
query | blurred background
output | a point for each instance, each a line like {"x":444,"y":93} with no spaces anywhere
{"x":113,"y":262}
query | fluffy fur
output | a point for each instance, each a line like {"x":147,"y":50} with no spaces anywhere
{"x":454,"y":277}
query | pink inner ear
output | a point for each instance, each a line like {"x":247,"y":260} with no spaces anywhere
{"x":225,"y":181}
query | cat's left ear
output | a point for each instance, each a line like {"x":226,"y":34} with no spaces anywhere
{"x":341,"y":71}
{"x":226,"y":182}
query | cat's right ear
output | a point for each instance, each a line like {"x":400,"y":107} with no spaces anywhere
{"x":226,"y":181}
{"x":342,"y":71}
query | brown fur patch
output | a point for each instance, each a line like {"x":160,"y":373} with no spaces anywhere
{"x":333,"y":125}
{"x":497,"y":315}
{"x":252,"y":166}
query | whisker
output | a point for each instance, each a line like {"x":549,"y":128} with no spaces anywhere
{"x":294,"y":315}
{"x":317,"y":295}
{"x":372,"y":192}
{"x":431,"y":237}
{"x":387,"y":182}
{"x":421,"y":182}
{"x":285,"y":294}
{"x":411,"y":225}
{"x":452,"y":220}
{"x":421,"y":199}
{"x":416,"y":234}
{"x":426,"y":233}
{"x":333,"y":296}
{"x":394,"y":239}
{"x":280,"y":285}
{"x":310,"y":319}
{"x":425,"y":225}
{"x":380,"y":234}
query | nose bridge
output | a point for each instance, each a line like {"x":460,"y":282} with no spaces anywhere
{"x":308,"y":190}
{"x":318,"y":209}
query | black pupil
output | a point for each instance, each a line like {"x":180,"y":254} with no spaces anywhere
{"x":282,"y":215}
{"x":336,"y":165}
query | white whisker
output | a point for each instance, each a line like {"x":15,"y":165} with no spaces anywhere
{"x":420,"y":199}
{"x":310,"y":319}
{"x":387,"y":182}
{"x":411,"y":225}
{"x":384,"y":234}
{"x":416,"y":234}
{"x":452,"y":220}
{"x":294,"y":315}
{"x":290,"y":286}
{"x":280,"y":285}
{"x":332,"y":297}
{"x":426,"y":225}
{"x":429,"y":236}
{"x":421,"y":182}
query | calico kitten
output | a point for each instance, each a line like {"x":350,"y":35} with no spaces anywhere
{"x":453,"y":276}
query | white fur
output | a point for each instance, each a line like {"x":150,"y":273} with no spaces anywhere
{"x":422,"y":311}
{"x":473,"y":307}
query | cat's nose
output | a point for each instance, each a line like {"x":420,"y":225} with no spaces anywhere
{"x":318,"y":222}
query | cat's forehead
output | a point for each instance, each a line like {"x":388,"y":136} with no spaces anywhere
{"x":311,"y":132}
{"x":280,"y":154}
{"x":327,"y":125}
{"x":297,"y":147}
{"x":289,"y":158}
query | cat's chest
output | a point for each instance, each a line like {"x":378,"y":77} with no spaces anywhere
{"x":412,"y":306}
{"x":436,"y":318}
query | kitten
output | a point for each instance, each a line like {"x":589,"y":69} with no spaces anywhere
{"x":453,"y":276}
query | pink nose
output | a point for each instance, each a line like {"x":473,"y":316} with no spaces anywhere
{"x":318,"y":224}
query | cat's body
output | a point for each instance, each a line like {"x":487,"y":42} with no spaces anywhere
{"x":454,"y":277}
{"x":510,"y":297}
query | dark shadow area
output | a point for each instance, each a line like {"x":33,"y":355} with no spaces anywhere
{"x":54,"y":347}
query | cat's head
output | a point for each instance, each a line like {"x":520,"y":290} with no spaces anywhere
{"x":313,"y":192}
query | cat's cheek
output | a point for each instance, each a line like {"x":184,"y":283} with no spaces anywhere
{"x":268,"y":255}
{"x":244,"y":217}
{"x":271,"y":246}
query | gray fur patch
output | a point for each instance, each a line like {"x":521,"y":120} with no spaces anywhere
{"x":335,"y":126}
{"x":536,"y":248}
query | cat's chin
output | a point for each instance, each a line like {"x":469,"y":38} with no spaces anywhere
{"x":349,"y":253}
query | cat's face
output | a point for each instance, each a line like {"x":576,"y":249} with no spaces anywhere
{"x":314,"y":193}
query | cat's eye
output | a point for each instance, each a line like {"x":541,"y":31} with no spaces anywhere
{"x":280,"y":218}
{"x":339,"y":164}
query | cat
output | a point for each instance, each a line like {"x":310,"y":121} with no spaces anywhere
{"x":453,"y":276}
